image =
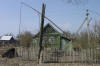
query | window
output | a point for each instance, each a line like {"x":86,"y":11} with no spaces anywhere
{"x":52,"y":40}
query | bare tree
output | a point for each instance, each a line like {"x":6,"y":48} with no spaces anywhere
{"x":97,"y":32}
{"x":76,"y":1}
{"x":81,"y":40}
{"x":25,"y":38}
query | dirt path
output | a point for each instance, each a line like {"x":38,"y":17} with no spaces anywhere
{"x":19,"y":62}
{"x":33,"y":64}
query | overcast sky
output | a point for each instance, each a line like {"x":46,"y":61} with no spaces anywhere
{"x":66,"y":16}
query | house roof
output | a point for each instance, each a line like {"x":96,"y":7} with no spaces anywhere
{"x":6,"y":37}
{"x":49,"y":24}
{"x":56,"y":29}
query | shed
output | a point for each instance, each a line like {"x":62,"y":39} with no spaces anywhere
{"x":7,"y":40}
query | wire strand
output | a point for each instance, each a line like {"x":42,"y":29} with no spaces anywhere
{"x":40,"y":14}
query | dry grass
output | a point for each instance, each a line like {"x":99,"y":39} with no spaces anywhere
{"x":33,"y":64}
{"x":19,"y":62}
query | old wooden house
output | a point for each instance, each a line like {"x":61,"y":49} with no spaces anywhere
{"x":53,"y":38}
{"x":7,"y":40}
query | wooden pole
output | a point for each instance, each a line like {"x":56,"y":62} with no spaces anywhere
{"x":88,"y":30}
{"x":41,"y":33}
{"x":95,"y":42}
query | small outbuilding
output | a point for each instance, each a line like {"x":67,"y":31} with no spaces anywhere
{"x":7,"y":40}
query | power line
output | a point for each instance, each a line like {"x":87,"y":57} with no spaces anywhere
{"x":51,"y":20}
{"x":86,"y":19}
{"x":40,"y":14}
{"x":94,"y":12}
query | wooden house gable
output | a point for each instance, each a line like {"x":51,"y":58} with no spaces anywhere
{"x":50,"y":29}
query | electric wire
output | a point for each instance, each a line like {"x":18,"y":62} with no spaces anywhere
{"x":40,"y":14}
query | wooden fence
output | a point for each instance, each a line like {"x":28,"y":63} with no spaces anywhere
{"x":29,"y":56}
{"x":60,"y":56}
{"x":72,"y":56}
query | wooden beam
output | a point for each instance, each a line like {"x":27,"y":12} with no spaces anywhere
{"x":41,"y":33}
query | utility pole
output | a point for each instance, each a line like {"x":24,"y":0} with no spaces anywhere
{"x":20,"y":25}
{"x":41,"y":14}
{"x":41,"y":33}
{"x":88,"y":30}
{"x":90,"y":48}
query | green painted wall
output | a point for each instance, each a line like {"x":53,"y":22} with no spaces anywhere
{"x":51,"y":38}
{"x":66,"y":45}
